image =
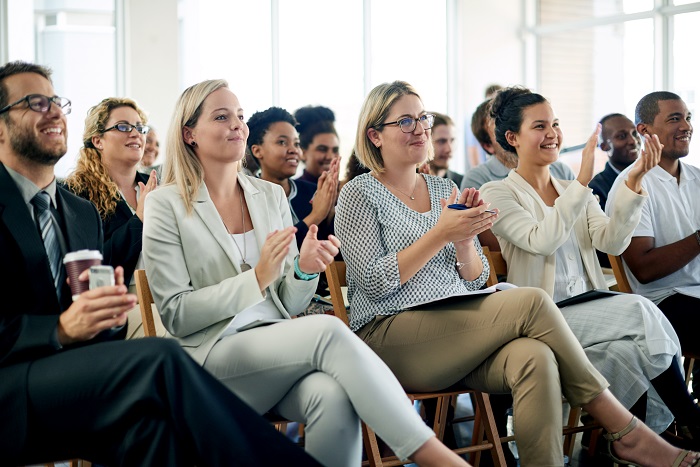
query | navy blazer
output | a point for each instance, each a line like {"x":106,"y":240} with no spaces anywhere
{"x":30,"y":308}
{"x":301,"y":204}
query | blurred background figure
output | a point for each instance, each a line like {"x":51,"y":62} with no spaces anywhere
{"x":619,"y":138}
{"x":443,"y":136}
{"x":150,"y":155}
{"x":475,"y":153}
{"x":318,"y":139}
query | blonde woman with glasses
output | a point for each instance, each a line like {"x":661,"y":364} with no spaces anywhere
{"x":227,"y":277}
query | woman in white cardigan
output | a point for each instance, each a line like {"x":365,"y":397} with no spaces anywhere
{"x":549,"y":230}
{"x":220,"y":254}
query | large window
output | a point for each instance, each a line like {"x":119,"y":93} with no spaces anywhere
{"x":77,"y":39}
{"x":596,"y":57}
{"x":316,"y":52}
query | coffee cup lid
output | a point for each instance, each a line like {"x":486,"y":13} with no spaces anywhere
{"x":82,"y":255}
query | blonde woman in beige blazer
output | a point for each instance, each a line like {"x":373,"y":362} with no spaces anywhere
{"x":220,"y":253}
{"x":549,"y":230}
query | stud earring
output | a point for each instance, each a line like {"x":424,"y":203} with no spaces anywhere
{"x":193,"y":144}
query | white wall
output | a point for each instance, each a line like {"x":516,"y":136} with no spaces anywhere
{"x":490,"y":51}
{"x":152,"y":60}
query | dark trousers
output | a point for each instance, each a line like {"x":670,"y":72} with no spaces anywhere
{"x":143,"y":403}
{"x":684,"y":314}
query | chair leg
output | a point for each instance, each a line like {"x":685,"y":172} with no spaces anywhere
{"x":371,"y":447}
{"x":688,"y":368}
{"x":489,"y":423}
{"x":570,"y":439}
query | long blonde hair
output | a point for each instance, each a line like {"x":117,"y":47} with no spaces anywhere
{"x":182,"y":167}
{"x":375,"y":110}
{"x":90,"y":178}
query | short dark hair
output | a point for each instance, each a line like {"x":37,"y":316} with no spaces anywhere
{"x":602,"y":124}
{"x":312,"y":121}
{"x":259,"y":123}
{"x":15,"y":68}
{"x":507,"y":110}
{"x":479,"y":121}
{"x":648,"y":106}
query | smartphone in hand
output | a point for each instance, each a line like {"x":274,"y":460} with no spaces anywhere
{"x":101,"y":276}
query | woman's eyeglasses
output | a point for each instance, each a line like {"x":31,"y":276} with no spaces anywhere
{"x":127,"y":127}
{"x":42,"y":104}
{"x":408,"y":124}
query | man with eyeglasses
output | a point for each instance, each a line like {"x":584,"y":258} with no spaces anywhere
{"x":70,"y":386}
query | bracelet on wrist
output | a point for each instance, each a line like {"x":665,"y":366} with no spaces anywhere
{"x":697,"y":236}
{"x":300,"y":274}
{"x":460,"y":264}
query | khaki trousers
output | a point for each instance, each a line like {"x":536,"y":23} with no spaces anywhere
{"x":510,"y":341}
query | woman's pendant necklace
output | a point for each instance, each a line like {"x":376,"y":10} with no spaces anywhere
{"x":411,"y":196}
{"x":243,"y":265}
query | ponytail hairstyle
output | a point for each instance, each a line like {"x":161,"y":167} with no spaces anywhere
{"x":312,"y":121}
{"x":507,"y":109}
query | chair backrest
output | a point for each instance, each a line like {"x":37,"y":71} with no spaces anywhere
{"x":335,"y":275}
{"x":143,"y":292}
{"x":623,"y":284}
{"x":497,"y":264}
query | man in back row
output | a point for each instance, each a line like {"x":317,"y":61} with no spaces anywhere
{"x":71,"y":387}
{"x":618,"y":138}
{"x":663,"y":258}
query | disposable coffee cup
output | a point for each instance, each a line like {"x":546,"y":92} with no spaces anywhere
{"x":77,"y":262}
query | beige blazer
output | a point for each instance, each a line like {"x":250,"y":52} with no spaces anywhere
{"x":193,"y":267}
{"x":530,"y":236}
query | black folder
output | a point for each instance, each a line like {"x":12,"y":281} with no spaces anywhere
{"x":594,"y":294}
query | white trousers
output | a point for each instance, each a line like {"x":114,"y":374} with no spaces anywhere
{"x":316,"y":371}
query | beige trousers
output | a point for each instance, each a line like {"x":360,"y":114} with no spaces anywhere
{"x":510,"y":341}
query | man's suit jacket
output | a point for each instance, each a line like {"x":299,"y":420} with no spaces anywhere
{"x":30,"y":307}
{"x":123,"y":232}
{"x":194,"y":269}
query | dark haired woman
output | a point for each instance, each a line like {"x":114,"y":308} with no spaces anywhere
{"x":274,"y":143}
{"x":107,"y":174}
{"x":549,"y":231}
{"x":318,"y":140}
{"x":406,"y":250}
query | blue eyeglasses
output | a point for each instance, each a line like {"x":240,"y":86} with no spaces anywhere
{"x":127,"y":127}
{"x":42,"y":104}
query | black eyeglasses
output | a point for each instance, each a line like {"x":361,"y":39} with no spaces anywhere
{"x":42,"y":104}
{"x":408,"y":124}
{"x":127,"y":127}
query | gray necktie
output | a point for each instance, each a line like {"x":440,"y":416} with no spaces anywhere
{"x":47,"y":228}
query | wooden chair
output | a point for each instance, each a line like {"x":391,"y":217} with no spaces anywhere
{"x":624,"y":286}
{"x":499,"y":267}
{"x":147,"y":305}
{"x":484,"y":423}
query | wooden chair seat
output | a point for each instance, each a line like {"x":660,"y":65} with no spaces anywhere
{"x":484,"y":422}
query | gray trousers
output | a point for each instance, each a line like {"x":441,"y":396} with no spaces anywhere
{"x":316,"y":371}
{"x":510,"y":341}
